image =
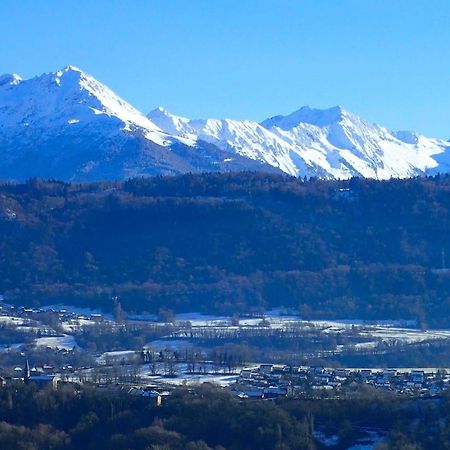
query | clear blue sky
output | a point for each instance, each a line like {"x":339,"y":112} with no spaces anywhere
{"x":387,"y":60}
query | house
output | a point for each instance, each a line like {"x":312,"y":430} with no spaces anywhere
{"x":147,"y":393}
{"x":48,"y":368}
{"x":417,"y":376}
{"x":317,"y":369}
{"x":389,"y":373}
{"x":265,"y":368}
{"x":365,"y":373}
{"x":280,"y":369}
{"x":274,"y":392}
{"x":324,"y":387}
{"x":340,"y":373}
{"x":41,"y":380}
{"x":44,"y":380}
{"x":249,"y":393}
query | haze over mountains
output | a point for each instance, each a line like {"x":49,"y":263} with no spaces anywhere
{"x":68,"y":125}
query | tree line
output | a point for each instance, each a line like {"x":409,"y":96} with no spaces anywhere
{"x":231,"y":243}
{"x":207,"y":417}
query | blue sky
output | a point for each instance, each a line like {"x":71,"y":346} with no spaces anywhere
{"x":386,"y":60}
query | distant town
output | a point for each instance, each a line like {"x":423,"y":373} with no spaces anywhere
{"x":55,"y":345}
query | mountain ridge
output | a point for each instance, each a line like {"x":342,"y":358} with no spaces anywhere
{"x":329,"y":143}
{"x":67,"y":124}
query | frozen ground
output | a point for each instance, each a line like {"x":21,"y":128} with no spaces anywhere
{"x":363,"y":335}
{"x":76,"y":324}
{"x":368,"y":442}
{"x":326,"y":440}
{"x":116,"y":356}
{"x":75,"y":310}
{"x":169,"y":344}
{"x":213,"y":375}
{"x":281,"y":318}
{"x":275,"y":318}
{"x":64,"y":342}
{"x":5,"y":348}
{"x":11,"y":320}
{"x":192,"y":379}
{"x":372,"y":333}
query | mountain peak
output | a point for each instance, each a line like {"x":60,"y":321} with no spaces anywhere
{"x":159,"y":111}
{"x":76,"y":116}
{"x":306,"y":114}
{"x":70,"y":68}
{"x":319,"y":117}
{"x":71,"y":73}
{"x":67,"y":97}
{"x":10,"y":79}
{"x":168,"y":122}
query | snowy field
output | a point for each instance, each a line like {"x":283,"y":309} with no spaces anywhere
{"x":73,"y":325}
{"x":382,"y":333}
{"x":375,"y":332}
{"x":64,"y":342}
{"x":87,"y":312}
{"x":116,"y":356}
{"x":275,"y":318}
{"x":6,"y":348}
{"x":368,"y":442}
{"x":214,"y":374}
{"x":11,"y":320}
{"x":193,"y":379}
{"x":168,"y":344}
{"x":364,"y":335}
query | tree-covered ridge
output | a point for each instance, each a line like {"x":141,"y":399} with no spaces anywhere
{"x":231,"y":243}
{"x":210,"y":418}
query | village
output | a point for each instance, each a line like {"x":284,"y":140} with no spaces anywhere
{"x":264,"y":381}
{"x":148,"y":358}
{"x":269,"y":381}
{"x":58,"y":345}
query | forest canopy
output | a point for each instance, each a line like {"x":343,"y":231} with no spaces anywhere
{"x":241,"y":242}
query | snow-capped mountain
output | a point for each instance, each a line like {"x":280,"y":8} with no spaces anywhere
{"x":68,"y":125}
{"x":246,"y":138}
{"x":68,"y":98}
{"x":330,"y":143}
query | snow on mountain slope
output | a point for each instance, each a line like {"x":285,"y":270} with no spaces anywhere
{"x":330,"y":143}
{"x":66,"y":98}
{"x":68,"y":125}
{"x":345,"y":145}
{"x":246,"y":138}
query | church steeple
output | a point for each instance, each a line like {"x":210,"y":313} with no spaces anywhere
{"x":26,"y":372}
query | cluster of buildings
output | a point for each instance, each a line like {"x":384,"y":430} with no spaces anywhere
{"x":63,"y":314}
{"x":41,"y":376}
{"x":265,"y":381}
{"x":272,"y":380}
{"x":269,"y":381}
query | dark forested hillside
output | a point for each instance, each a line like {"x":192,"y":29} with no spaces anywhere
{"x":209,"y":418}
{"x":231,"y":243}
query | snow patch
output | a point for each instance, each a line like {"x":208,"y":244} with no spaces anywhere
{"x":331,"y":143}
{"x":64,"y":342}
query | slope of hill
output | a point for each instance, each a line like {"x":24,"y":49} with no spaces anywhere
{"x":232,"y":243}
